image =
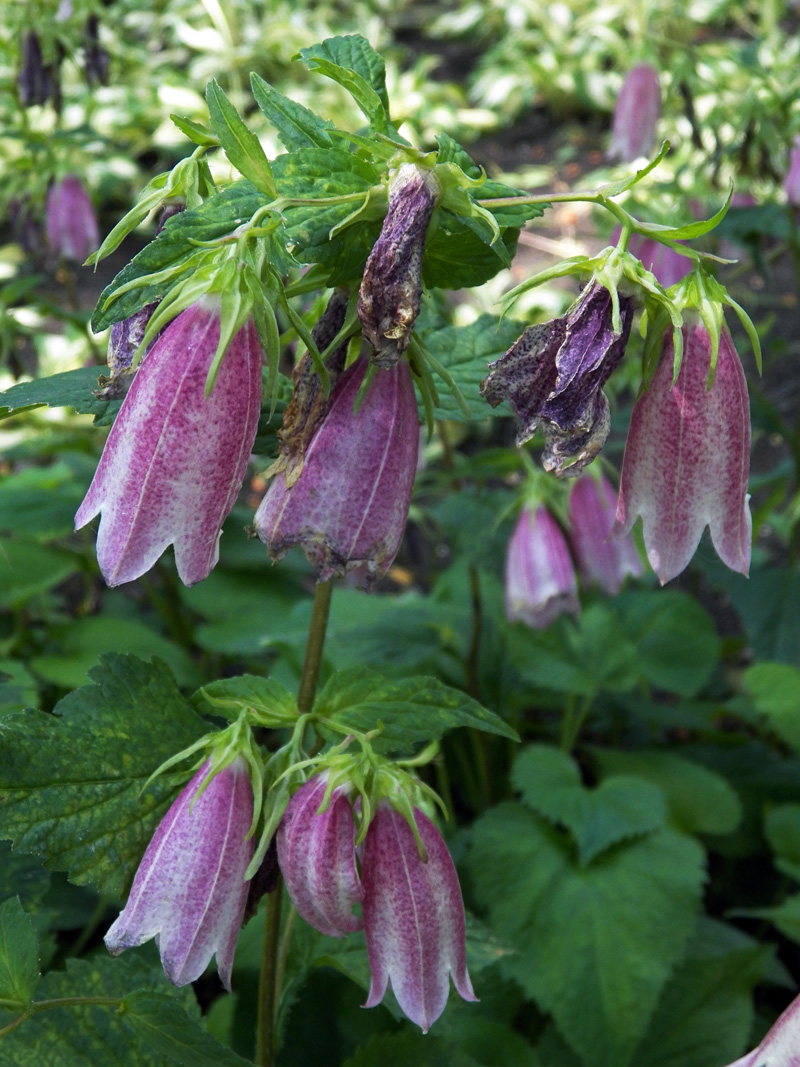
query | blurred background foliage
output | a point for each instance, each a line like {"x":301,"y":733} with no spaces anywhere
{"x":637,"y":899}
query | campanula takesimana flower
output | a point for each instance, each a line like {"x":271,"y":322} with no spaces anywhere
{"x":635,"y":115}
{"x":781,"y":1045}
{"x":189,"y":892}
{"x":72,"y":229}
{"x":604,"y":560}
{"x":540,"y":580}
{"x":791,"y":183}
{"x":174,"y":460}
{"x":687,"y":458}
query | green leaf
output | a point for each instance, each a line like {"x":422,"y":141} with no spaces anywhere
{"x":775,"y":691}
{"x":700,"y":800}
{"x":163,"y":1026}
{"x":297,"y":126}
{"x":40,"y":502}
{"x":71,"y":388}
{"x":597,"y":943}
{"x":402,"y":1049}
{"x":767,"y":605}
{"x":229,"y":696}
{"x":619,"y":808}
{"x":26,"y":569}
{"x":19,"y":956}
{"x":410,"y":710}
{"x":706,"y":1012}
{"x":356,"y":54}
{"x":782,"y":827}
{"x":239,"y":143}
{"x":462,"y":260}
{"x":70,"y":783}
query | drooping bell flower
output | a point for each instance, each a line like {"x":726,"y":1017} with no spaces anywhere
{"x":781,"y":1045}
{"x":687,"y":458}
{"x":190,"y":891}
{"x":540,"y":580}
{"x":791,"y":184}
{"x":350,"y":504}
{"x":316,"y":853}
{"x":635,"y":116}
{"x":174,"y":461}
{"x":389,"y":297}
{"x":603,"y":560}
{"x":555,"y":373}
{"x":72,"y":230}
{"x":413,"y":917}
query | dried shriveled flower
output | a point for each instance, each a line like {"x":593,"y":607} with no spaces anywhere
{"x":189,"y":891}
{"x":687,"y":458}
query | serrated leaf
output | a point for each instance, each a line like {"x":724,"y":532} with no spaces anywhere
{"x":297,"y":126}
{"x":785,"y":916}
{"x":162,"y":1025}
{"x":353,"y":52}
{"x":239,"y":143}
{"x":229,"y":696}
{"x":19,"y":956}
{"x":782,"y":828}
{"x":462,"y":260}
{"x":775,"y":690}
{"x":27,"y":569}
{"x":70,"y":782}
{"x":410,"y":710}
{"x":700,"y":800}
{"x":597,"y":943}
{"x":72,"y":389}
{"x":618,"y":809}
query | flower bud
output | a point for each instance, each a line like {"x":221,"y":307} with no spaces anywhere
{"x":540,"y":578}
{"x":555,"y":373}
{"x":316,"y":853}
{"x":635,"y":116}
{"x":389,"y":298}
{"x":413,"y":917}
{"x":189,"y":891}
{"x":174,"y":461}
{"x":791,"y":184}
{"x":601,"y":559}
{"x":687,"y":458}
{"x":350,"y":503}
{"x":72,"y":230}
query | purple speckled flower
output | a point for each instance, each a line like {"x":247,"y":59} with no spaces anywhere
{"x":72,"y":230}
{"x":791,"y":184}
{"x":413,"y":917}
{"x":350,"y":503}
{"x":687,"y":458}
{"x":602,"y":559}
{"x":174,"y":461}
{"x":540,"y":578}
{"x":389,"y":298}
{"x":317,"y":857}
{"x":189,"y":891}
{"x":635,"y":116}
{"x":554,"y":374}
{"x":781,"y":1045}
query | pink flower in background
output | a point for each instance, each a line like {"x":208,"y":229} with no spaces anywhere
{"x":540,"y":579}
{"x":350,"y":503}
{"x":72,"y":230}
{"x":174,"y":461}
{"x":602,"y":559}
{"x":635,"y":116}
{"x":791,"y":184}
{"x":668,"y":265}
{"x":189,"y":891}
{"x":413,"y":917}
{"x":316,"y":853}
{"x":781,"y":1046}
{"x":687,"y":458}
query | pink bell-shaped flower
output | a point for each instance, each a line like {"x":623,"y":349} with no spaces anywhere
{"x":72,"y":230}
{"x":316,"y":853}
{"x":174,"y":461}
{"x":635,"y":116}
{"x":350,"y":503}
{"x":791,"y":183}
{"x":687,"y":458}
{"x":413,"y":917}
{"x":601,"y":559}
{"x":781,"y":1045}
{"x":189,"y":891}
{"x":540,"y":577}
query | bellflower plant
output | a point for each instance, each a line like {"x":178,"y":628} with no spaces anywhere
{"x":602,"y":559}
{"x":687,"y":457}
{"x":635,"y":115}
{"x":540,"y":579}
{"x":190,"y":892}
{"x":791,"y":184}
{"x":174,"y":461}
{"x":72,"y":229}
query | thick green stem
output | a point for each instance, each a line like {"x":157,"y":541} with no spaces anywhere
{"x":272,"y":966}
{"x":574,"y":716}
{"x":60,"y":1002}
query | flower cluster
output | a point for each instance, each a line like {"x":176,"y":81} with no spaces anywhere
{"x":411,"y":908}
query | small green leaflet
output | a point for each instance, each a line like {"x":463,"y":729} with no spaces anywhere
{"x":19,"y":957}
{"x":354,"y":64}
{"x":71,"y":388}
{"x":410,"y":710}
{"x":161,"y":1024}
{"x":240,"y":144}
{"x":297,"y":126}
{"x":230,"y":696}
{"x":70,"y":783}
